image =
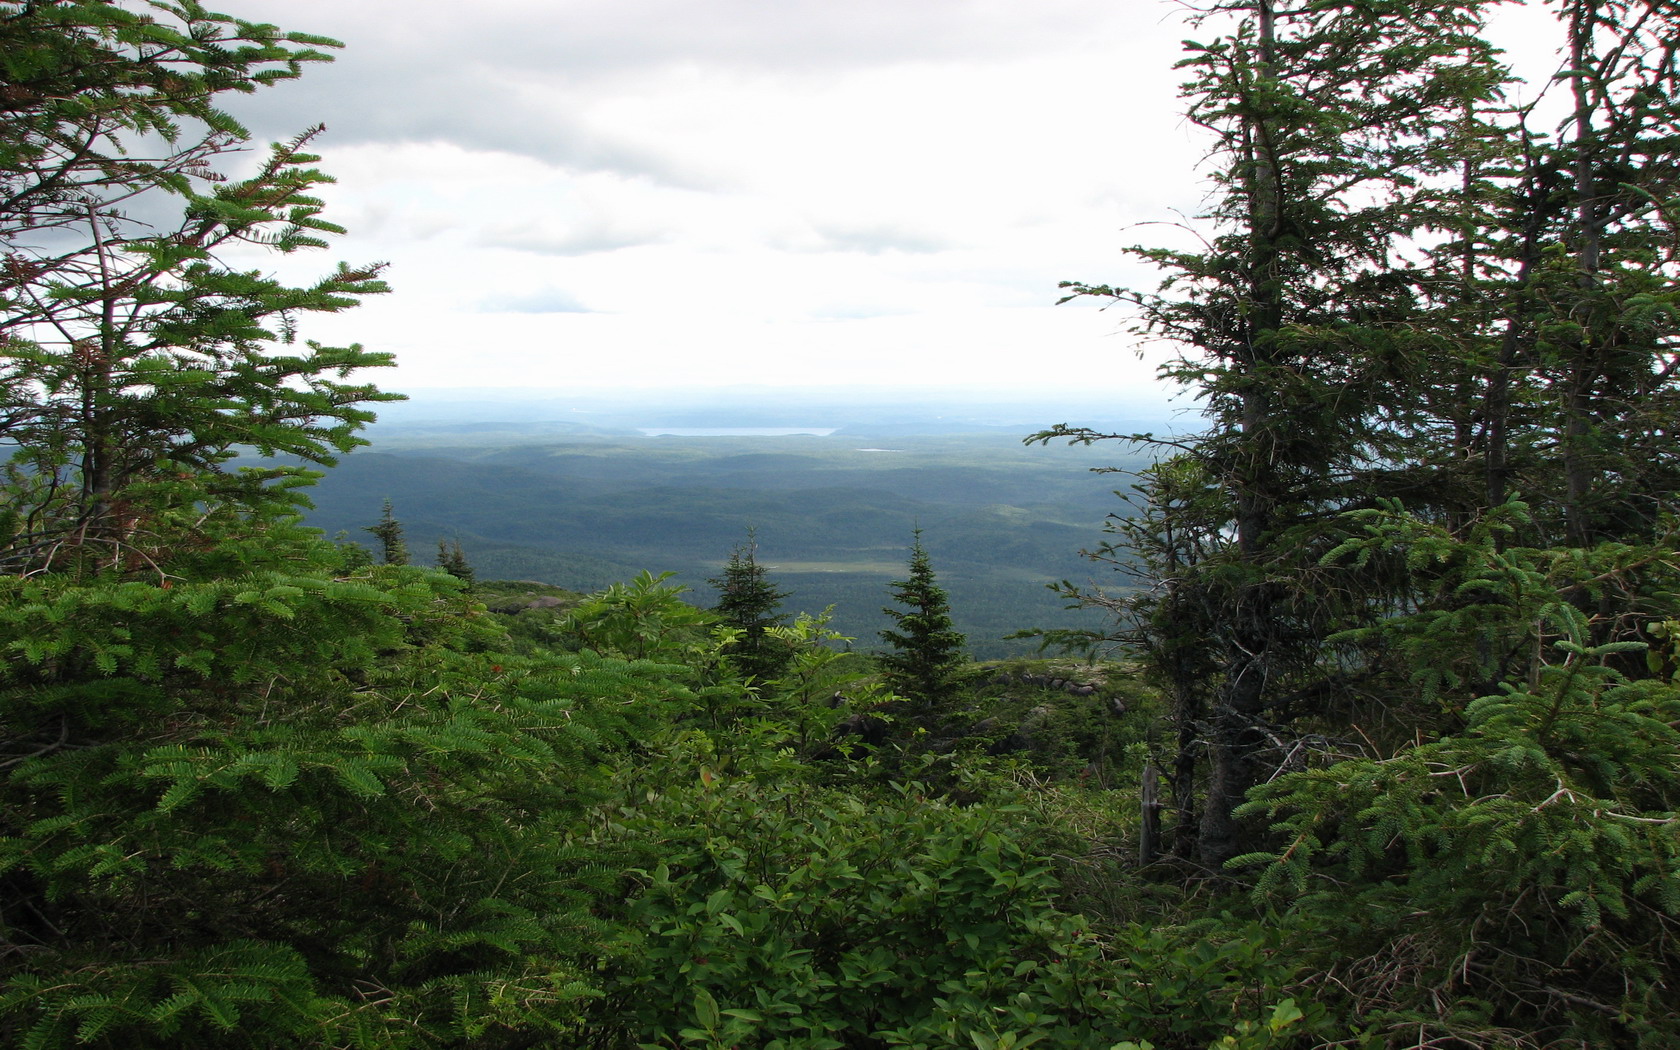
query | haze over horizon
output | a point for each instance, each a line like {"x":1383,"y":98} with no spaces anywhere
{"x":758,"y":406}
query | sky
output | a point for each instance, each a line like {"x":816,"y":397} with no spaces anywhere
{"x":612,"y":194}
{"x":605,"y":195}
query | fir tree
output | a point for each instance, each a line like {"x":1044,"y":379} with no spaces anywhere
{"x":389,"y":531}
{"x":136,"y":358}
{"x":453,"y":560}
{"x":748,"y":602}
{"x":1303,"y":324}
{"x":254,"y":793}
{"x":927,"y":661}
{"x":1406,"y":585}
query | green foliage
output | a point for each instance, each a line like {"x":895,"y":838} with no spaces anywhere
{"x":389,"y":532}
{"x":253,"y":791}
{"x":777,"y":913}
{"x":1524,"y":870}
{"x":927,"y":662}
{"x":820,"y":686}
{"x":531,"y":613}
{"x":453,"y":560}
{"x":1302,"y":324}
{"x":1523,"y":866}
{"x":316,"y":786}
{"x":747,"y":603}
{"x":136,"y":359}
{"x":1088,"y":723}
{"x":1215,"y":984}
{"x":1486,"y":609}
{"x":84,"y":78}
{"x":1409,"y":294}
{"x":643,"y":619}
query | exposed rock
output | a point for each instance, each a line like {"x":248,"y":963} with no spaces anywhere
{"x":1026,"y":733}
{"x":1045,"y":680}
{"x":864,"y":728}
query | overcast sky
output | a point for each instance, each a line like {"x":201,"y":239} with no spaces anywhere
{"x":586,"y":194}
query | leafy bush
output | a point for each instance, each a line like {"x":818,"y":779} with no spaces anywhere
{"x":779,"y":914}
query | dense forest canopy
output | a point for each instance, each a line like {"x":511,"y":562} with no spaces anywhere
{"x":1400,"y":622}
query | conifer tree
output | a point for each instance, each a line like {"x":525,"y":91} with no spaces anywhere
{"x":1419,"y":570}
{"x":1576,"y":266}
{"x":136,"y":359}
{"x":749,"y":602}
{"x":1302,"y":325}
{"x":389,"y":531}
{"x":927,"y":661}
{"x":252,"y":793}
{"x":453,"y":560}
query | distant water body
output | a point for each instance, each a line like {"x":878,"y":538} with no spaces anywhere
{"x":718,"y":432}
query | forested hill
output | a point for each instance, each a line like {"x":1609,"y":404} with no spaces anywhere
{"x":584,"y":505}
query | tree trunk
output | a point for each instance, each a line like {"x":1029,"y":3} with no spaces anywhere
{"x":1234,"y":734}
{"x":1149,"y":837}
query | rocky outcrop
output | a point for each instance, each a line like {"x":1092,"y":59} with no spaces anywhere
{"x":1046,"y":680}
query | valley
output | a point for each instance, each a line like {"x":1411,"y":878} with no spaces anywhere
{"x":582,"y":505}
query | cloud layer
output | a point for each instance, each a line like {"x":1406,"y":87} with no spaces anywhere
{"x":599,"y":193}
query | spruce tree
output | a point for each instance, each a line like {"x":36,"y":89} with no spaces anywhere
{"x":748,"y":602}
{"x":254,"y":793}
{"x":1303,"y":325}
{"x":389,"y":531}
{"x":927,"y":662}
{"x":1417,"y":575}
{"x":453,"y":560}
{"x":137,"y":359}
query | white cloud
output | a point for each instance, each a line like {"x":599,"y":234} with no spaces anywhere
{"x":544,"y":300}
{"x":628,"y":192}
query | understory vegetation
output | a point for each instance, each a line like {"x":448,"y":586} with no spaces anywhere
{"x":1381,"y":751}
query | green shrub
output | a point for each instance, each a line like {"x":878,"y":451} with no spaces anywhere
{"x":297,"y":809}
{"x":778,"y":914}
{"x":1517,"y":884}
